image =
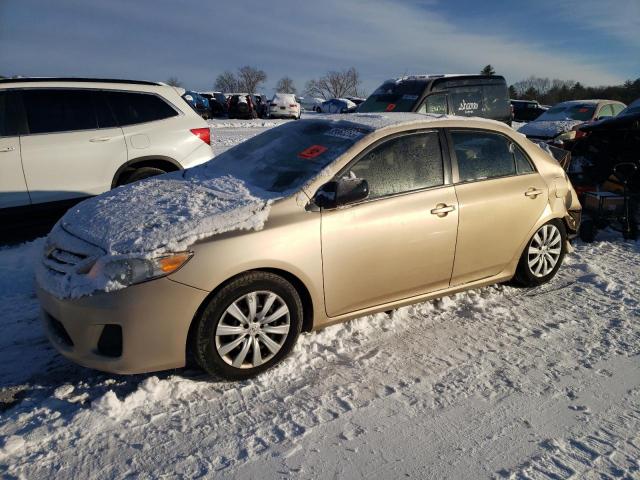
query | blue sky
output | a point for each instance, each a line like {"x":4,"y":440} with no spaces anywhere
{"x":594,"y":41}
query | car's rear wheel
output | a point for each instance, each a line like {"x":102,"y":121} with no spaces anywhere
{"x":250,"y":325}
{"x":543,"y":255}
{"x":141,"y":174}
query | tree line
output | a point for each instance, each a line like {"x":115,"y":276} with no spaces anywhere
{"x":549,"y":92}
{"x":249,"y":79}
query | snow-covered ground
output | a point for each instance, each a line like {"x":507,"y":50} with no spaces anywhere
{"x":493,"y":383}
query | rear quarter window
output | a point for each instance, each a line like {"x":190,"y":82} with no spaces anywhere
{"x":131,"y":108}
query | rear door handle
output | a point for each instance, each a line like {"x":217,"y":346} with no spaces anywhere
{"x":100,"y":139}
{"x":442,"y":209}
{"x":7,"y":149}
{"x":533,"y":192}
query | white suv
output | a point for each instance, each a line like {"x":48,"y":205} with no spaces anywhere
{"x":284,"y":105}
{"x":65,"y":139}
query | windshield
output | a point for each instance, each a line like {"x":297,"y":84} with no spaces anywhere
{"x":282,"y":159}
{"x":394,"y":96}
{"x":573,"y":111}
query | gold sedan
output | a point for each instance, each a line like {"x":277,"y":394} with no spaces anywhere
{"x":308,"y":224}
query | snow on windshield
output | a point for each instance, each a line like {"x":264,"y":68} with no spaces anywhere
{"x":282,"y":160}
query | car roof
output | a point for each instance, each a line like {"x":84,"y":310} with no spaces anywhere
{"x":589,"y":101}
{"x":75,"y":80}
{"x":378,"y":121}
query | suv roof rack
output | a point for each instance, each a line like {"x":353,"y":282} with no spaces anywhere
{"x":75,"y":79}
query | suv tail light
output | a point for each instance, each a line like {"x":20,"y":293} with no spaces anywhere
{"x":293,"y":105}
{"x":203,"y":134}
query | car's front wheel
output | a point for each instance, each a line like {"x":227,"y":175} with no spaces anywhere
{"x":543,"y":255}
{"x":250,"y":325}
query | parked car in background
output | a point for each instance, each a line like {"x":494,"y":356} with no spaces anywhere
{"x":311,"y":104}
{"x":198,"y":102}
{"x":63,"y":139}
{"x":560,"y":124}
{"x":241,"y":105}
{"x":217,"y":103}
{"x":398,"y":209}
{"x":484,"y":96}
{"x":604,"y":144}
{"x":527,"y":110}
{"x":284,"y":105}
{"x":262,"y":105}
{"x":337,"y":105}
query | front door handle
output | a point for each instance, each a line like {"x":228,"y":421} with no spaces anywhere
{"x":533,"y":192}
{"x":100,"y":139}
{"x":7,"y":149}
{"x":442,"y":209}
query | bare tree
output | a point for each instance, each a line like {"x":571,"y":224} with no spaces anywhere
{"x":174,"y":82}
{"x":226,"y":82}
{"x":250,"y":78}
{"x":285,"y":85}
{"x":335,"y":85}
{"x":488,"y":70}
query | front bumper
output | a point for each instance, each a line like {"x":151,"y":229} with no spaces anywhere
{"x":153,"y":318}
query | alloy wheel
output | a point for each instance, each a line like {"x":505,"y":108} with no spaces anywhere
{"x":544,"y":250}
{"x":253,"y":329}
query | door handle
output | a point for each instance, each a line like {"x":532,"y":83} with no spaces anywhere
{"x":442,"y":210}
{"x":533,"y":192}
{"x":100,"y":139}
{"x":7,"y":149}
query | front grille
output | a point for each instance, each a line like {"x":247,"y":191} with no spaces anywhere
{"x":66,"y":254}
{"x":59,"y":331}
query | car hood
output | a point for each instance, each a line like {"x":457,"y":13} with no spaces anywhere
{"x":143,"y":220}
{"x":165,"y":213}
{"x":548,"y":129}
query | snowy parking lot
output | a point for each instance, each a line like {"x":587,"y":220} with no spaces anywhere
{"x":497,"y":382}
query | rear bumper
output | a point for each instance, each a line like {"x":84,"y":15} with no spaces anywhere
{"x":153,"y":318}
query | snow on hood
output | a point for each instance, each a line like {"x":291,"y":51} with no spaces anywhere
{"x":548,"y":129}
{"x":147,"y":219}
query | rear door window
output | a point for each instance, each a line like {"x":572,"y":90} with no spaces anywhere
{"x":132,"y":107}
{"x":435,"y":104}
{"x":403,"y":164}
{"x":617,"y":108}
{"x":605,"y":112}
{"x":482,"y":155}
{"x":59,"y":110}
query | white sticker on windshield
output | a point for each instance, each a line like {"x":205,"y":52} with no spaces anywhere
{"x":409,"y":97}
{"x":346,"y":133}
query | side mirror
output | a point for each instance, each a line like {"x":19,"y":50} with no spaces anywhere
{"x":336,"y":193}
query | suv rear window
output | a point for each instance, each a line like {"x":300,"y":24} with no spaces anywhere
{"x":131,"y":108}
{"x":394,"y":96}
{"x":59,"y":110}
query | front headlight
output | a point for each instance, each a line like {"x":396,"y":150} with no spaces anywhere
{"x":129,"y":271}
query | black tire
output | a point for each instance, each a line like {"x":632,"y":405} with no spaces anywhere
{"x":204,"y":338}
{"x":524,"y":275}
{"x":140,"y":174}
{"x":588,"y":230}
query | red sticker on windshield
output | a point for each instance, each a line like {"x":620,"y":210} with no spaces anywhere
{"x":312,"y":152}
{"x":390,"y":107}
{"x":583,"y":110}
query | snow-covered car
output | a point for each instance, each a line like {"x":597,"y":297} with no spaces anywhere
{"x":284,"y":105}
{"x":304,"y":225}
{"x":65,"y":139}
{"x":560,"y":124}
{"x":311,"y":104}
{"x":337,"y":105}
